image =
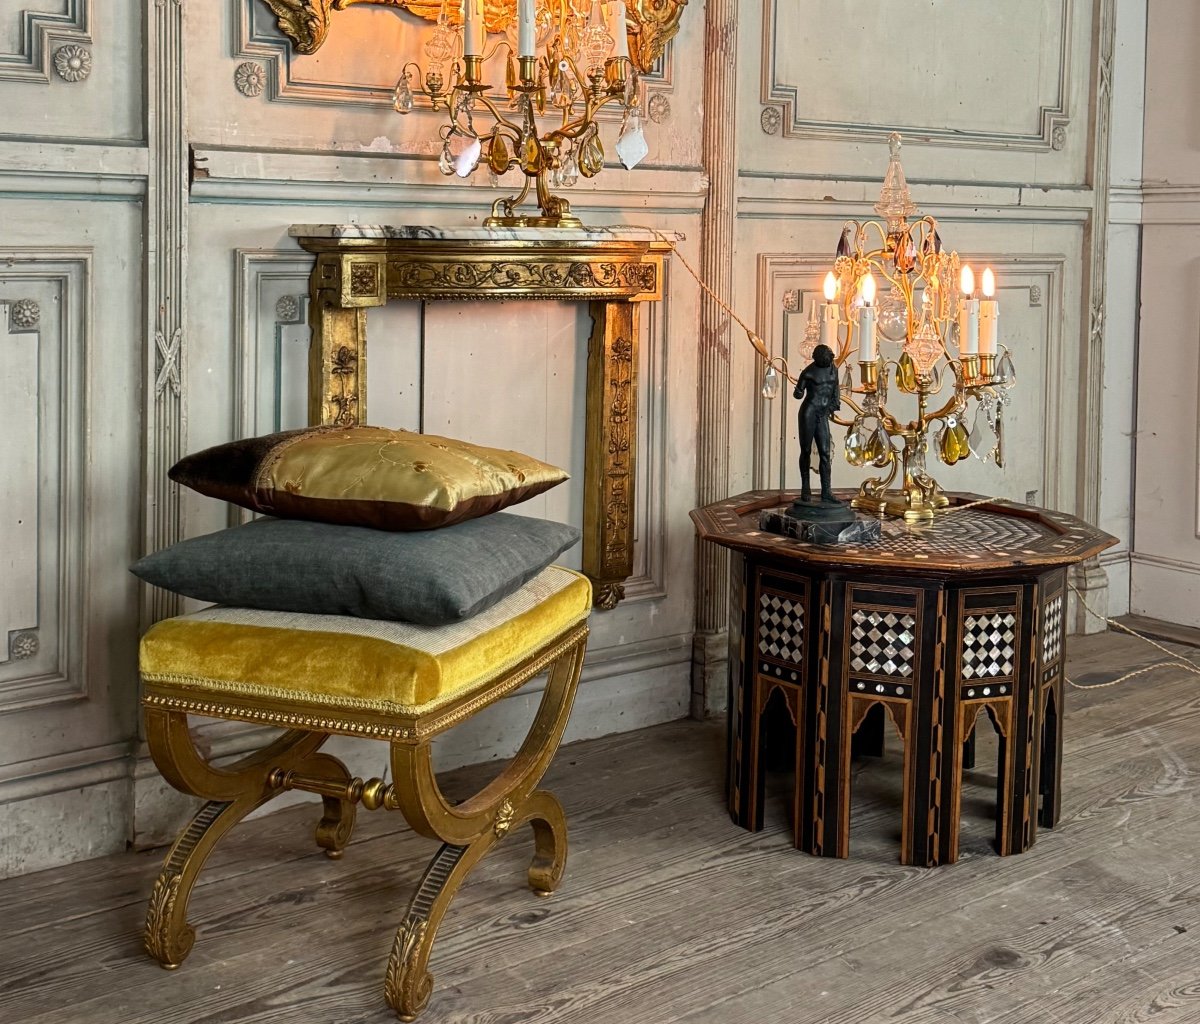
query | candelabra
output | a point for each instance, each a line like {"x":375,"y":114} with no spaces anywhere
{"x":571,"y":56}
{"x":910,"y":259}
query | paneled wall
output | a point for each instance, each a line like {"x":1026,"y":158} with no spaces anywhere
{"x":1006,"y":112}
{"x":1166,"y":553}
{"x":154,"y":153}
{"x":72,"y":187}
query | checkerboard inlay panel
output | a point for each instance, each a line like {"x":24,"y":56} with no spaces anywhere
{"x":989,"y":645}
{"x":781,"y":628}
{"x":882,"y":643}
{"x":1052,"y":630}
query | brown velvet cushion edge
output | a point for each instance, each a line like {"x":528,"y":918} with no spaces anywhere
{"x":224,"y":471}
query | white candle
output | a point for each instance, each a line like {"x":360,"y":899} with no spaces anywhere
{"x":829,"y":319}
{"x":989,"y":316}
{"x":968,"y":316}
{"x":473,"y":30}
{"x":866,"y":322}
{"x":616,"y":28}
{"x":526,"y":29}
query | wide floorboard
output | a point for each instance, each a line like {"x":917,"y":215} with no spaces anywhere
{"x":670,"y":913}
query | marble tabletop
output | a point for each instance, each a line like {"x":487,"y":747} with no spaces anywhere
{"x":429,"y":232}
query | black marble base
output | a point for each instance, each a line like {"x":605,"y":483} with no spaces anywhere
{"x":840,"y":526}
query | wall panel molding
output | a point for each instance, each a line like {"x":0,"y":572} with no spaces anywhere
{"x":1048,"y":124}
{"x":45,"y":301}
{"x":38,"y":33}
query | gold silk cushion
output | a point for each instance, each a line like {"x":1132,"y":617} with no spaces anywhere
{"x":366,"y":476}
{"x":357,"y":665}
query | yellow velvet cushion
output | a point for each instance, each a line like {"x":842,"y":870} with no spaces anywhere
{"x":366,"y":476}
{"x":359,"y":664}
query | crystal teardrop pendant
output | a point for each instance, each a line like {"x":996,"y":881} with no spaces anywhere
{"x":978,"y":436}
{"x":883,"y":447}
{"x":402,"y":96}
{"x":855,"y":454}
{"x":906,"y":373}
{"x":631,"y":146}
{"x":498,"y":155}
{"x":847,"y":378}
{"x":770,"y":384}
{"x":531,"y":154}
{"x":591,"y":156}
{"x":964,"y":442}
{"x":446,"y":161}
{"x":947,"y":446}
{"x":1005,"y":369}
{"x":570,"y":170}
{"x":466,"y":161}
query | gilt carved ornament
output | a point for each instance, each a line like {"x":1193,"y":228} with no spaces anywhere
{"x":652,"y":23}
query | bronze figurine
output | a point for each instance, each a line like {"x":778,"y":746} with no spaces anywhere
{"x":818,"y":386}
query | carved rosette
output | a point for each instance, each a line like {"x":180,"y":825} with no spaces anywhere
{"x":250,"y":78}
{"x":287,"y":309}
{"x":23,"y":645}
{"x":770,"y":120}
{"x":652,"y":24}
{"x":25,"y":314}
{"x":659,"y":108}
{"x":73,"y":62}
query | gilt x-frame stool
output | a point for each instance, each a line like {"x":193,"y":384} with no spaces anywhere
{"x":322,"y":675}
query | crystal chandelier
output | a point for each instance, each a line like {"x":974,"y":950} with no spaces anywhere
{"x":931,"y":310}
{"x":564,"y":60}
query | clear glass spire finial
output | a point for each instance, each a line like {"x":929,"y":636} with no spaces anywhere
{"x":895,"y":203}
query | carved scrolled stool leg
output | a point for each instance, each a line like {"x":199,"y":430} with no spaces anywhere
{"x":337,"y":820}
{"x":549,"y":823}
{"x":168,"y":936}
{"x":232,"y":793}
{"x":408,"y":984}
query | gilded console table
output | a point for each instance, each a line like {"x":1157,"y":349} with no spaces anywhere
{"x":932,"y":627}
{"x":614,"y":269}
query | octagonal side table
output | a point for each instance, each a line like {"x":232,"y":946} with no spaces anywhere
{"x":932,"y":625}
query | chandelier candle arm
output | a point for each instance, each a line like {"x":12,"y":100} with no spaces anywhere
{"x":830,"y":315}
{"x":526,"y":29}
{"x":989,"y":315}
{"x":866,"y":321}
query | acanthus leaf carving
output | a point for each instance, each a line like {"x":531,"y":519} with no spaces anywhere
{"x":652,"y":23}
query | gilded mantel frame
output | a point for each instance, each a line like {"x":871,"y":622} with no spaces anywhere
{"x":614,"y":271}
{"x":652,"y":23}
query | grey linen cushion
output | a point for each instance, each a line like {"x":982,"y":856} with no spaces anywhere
{"x":430,"y":577}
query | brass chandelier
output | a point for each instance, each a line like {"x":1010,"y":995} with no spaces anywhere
{"x":942,"y":327}
{"x":563,"y":60}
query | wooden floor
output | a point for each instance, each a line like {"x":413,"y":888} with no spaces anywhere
{"x":671,"y":913}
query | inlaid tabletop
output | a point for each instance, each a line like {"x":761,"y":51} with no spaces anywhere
{"x":984,"y":538}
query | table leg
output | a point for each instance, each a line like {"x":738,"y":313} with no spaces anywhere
{"x":340,"y":290}
{"x":1050,"y":781}
{"x":611,"y":442}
